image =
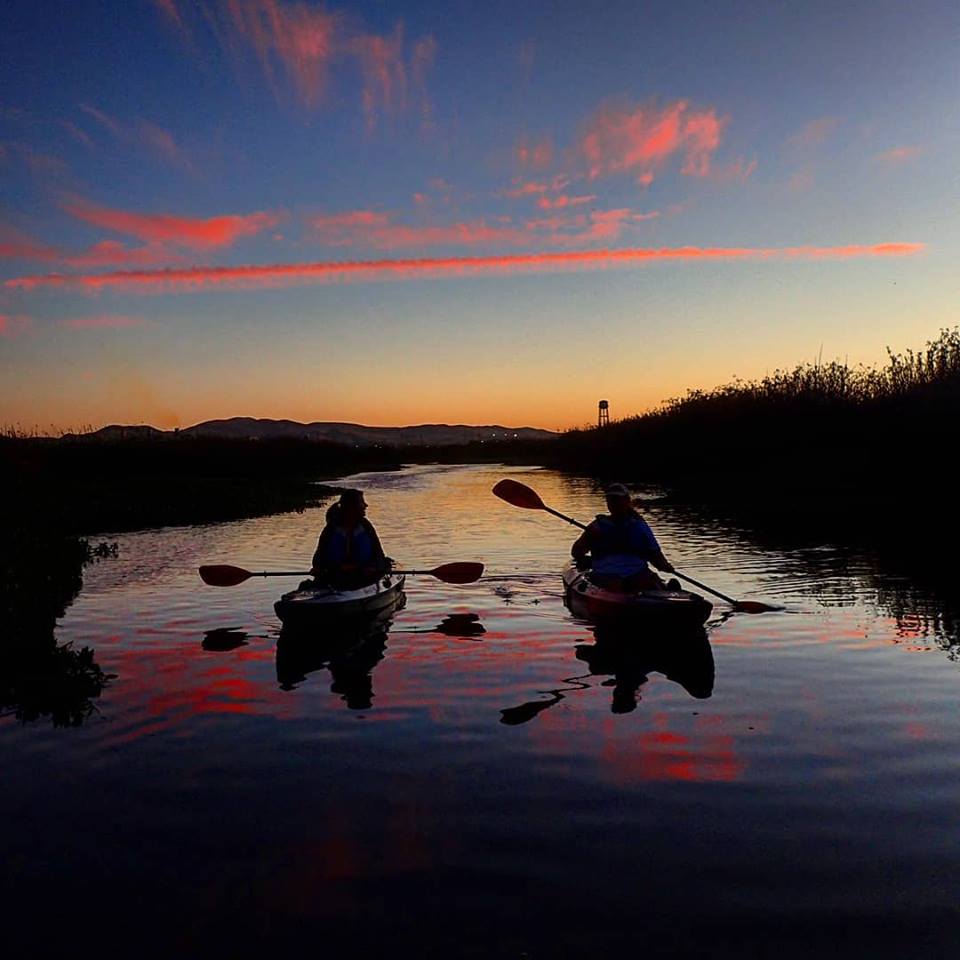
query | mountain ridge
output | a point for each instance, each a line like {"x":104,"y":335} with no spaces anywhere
{"x":260,"y":428}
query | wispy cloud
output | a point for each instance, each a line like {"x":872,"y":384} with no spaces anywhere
{"x":534,"y":154}
{"x":813,"y":134}
{"x":108,"y":253}
{"x":378,"y":230}
{"x":424,"y":54}
{"x":102,"y":321}
{"x":15,"y":245}
{"x":195,"y":233}
{"x":900,"y":155}
{"x":81,"y":136}
{"x":563,"y":200}
{"x":384,"y":73}
{"x":280,"y":275}
{"x":171,"y":11}
{"x":736,"y":172}
{"x":105,"y":120}
{"x":643,"y":139}
{"x":13,"y":325}
{"x":299,"y":46}
{"x":162,"y":143}
{"x":38,"y":163}
{"x":145,"y":134}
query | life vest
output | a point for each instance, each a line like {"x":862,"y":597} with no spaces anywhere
{"x":631,"y":537}
{"x":346,"y":546}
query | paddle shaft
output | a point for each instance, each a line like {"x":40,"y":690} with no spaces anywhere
{"x":703,"y":586}
{"x":557,"y":513}
{"x":309,"y":573}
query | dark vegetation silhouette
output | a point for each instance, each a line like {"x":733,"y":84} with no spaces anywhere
{"x":821,"y":429}
{"x":40,"y":575}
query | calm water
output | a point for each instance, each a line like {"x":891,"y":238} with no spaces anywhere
{"x":486,"y":781}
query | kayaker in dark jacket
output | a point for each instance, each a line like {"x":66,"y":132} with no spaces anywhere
{"x":619,"y":545}
{"x":348,"y":552}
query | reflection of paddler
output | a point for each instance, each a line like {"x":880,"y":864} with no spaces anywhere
{"x":686,"y":659}
{"x":350,"y":657}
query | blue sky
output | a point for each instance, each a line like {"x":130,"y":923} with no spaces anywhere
{"x":782,"y":178}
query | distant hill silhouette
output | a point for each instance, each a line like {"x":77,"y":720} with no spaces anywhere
{"x":353,"y":434}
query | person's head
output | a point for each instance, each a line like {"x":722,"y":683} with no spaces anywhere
{"x":352,"y":506}
{"x":618,"y":500}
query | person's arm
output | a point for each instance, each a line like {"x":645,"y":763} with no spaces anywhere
{"x":378,"y":559}
{"x":581,"y":546}
{"x":319,"y":563}
{"x":662,"y":563}
{"x":656,"y":554}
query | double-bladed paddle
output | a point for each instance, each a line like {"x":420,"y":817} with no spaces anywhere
{"x":520,"y":495}
{"x":223,"y":575}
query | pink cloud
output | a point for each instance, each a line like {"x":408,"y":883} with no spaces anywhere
{"x":15,"y":245}
{"x":145,"y":134}
{"x":378,"y":230}
{"x":643,"y":139}
{"x":813,"y":133}
{"x":536,"y":154}
{"x":645,"y":179}
{"x":161,"y":142}
{"x":563,"y":200}
{"x":110,"y":252}
{"x":900,"y":155}
{"x":375,"y":229}
{"x":103,"y":321}
{"x":298,"y":45}
{"x":171,"y":11}
{"x":193,"y":232}
{"x":79,"y":135}
{"x":383,"y":71}
{"x":41,"y":164}
{"x":424,"y":54}
{"x":105,"y":121}
{"x":13,"y":325}
{"x":276,"y":275}
{"x":532,"y":188}
{"x":300,"y":38}
{"x":736,"y":172}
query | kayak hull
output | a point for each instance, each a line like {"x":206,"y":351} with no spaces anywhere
{"x":322,"y":605}
{"x":655,"y":608}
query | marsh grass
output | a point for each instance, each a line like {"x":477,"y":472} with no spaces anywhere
{"x":829,"y":423}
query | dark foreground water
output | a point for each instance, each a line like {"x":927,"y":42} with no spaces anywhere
{"x":489,"y":779}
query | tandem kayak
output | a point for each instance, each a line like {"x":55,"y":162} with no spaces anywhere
{"x":660,"y":608}
{"x":320,"y":604}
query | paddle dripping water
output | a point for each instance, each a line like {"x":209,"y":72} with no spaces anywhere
{"x":483,"y":775}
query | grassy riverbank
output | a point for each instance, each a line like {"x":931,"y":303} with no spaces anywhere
{"x":820,"y":431}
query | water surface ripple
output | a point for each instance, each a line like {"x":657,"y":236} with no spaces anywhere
{"x":483,"y":780}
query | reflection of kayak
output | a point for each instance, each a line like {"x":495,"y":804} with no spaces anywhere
{"x":659,"y":608}
{"x":349,"y":648}
{"x":683,"y":656}
{"x":317,"y":605}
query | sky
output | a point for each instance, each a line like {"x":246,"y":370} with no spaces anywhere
{"x":396,"y":212}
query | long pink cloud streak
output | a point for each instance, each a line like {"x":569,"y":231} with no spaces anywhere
{"x":275,"y":275}
{"x":193,"y":232}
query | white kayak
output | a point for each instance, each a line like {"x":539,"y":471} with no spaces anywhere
{"x":320,"y":604}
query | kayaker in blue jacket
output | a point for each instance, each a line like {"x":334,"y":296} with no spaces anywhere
{"x":619,"y":545}
{"x":348,"y":552}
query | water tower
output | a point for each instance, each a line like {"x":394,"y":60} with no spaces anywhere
{"x":603,"y":413}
